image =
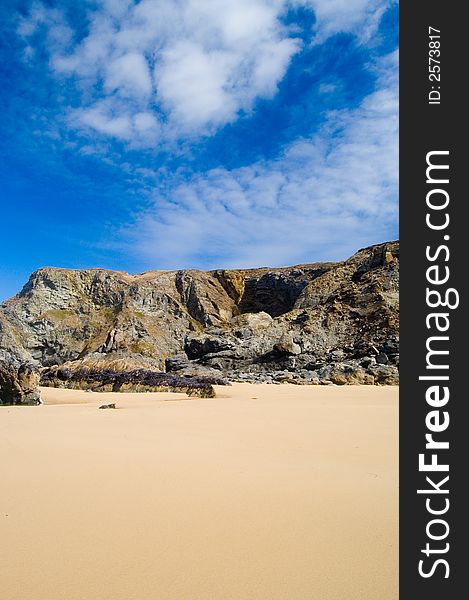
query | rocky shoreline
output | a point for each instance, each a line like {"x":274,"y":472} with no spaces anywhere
{"x":320,"y":323}
{"x":381,"y":368}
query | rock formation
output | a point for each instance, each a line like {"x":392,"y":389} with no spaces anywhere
{"x":19,"y":386}
{"x":322,"y":322}
{"x":74,"y":376}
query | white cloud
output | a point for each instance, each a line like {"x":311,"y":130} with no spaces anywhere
{"x":192,"y":85}
{"x":360,"y":17}
{"x":145,"y":123}
{"x":324,"y":197}
{"x":129,"y":75}
{"x":201,"y":62}
{"x":59,"y":34}
{"x":135,"y":127}
{"x":98,"y":119}
{"x":209,"y":59}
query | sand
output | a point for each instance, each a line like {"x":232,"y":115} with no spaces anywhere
{"x":263,"y":493}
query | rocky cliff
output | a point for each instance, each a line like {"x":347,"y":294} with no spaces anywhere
{"x":324,"y":321}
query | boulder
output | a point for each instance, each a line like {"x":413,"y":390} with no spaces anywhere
{"x":382,"y":358}
{"x":346,"y":374}
{"x":199,"y":346}
{"x":19,"y":386}
{"x":336,"y":355}
{"x":184,"y":367}
{"x":286,"y":347}
{"x":253,"y":322}
{"x":385,"y":374}
{"x":391,"y":346}
{"x":178,"y":362}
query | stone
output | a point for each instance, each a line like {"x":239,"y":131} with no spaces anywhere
{"x":179,"y":362}
{"x":348,"y":375}
{"x":181,"y":365}
{"x":367,"y":361}
{"x":286,"y":346}
{"x":104,"y":406}
{"x":391,"y":346}
{"x":382,"y":358}
{"x":336,"y":355}
{"x":385,"y":375}
{"x":197,"y":347}
{"x":19,"y":386}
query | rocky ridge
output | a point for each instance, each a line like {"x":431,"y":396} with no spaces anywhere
{"x":312,"y":323}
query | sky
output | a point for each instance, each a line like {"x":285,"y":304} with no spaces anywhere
{"x":170,"y":134}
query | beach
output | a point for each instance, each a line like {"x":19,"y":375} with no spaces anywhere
{"x":266,"y":492}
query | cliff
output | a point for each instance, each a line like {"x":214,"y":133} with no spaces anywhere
{"x":310,"y":321}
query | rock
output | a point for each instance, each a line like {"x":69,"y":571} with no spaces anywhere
{"x":285,"y":378}
{"x":346,"y":374}
{"x":179,"y":362}
{"x":19,"y":386}
{"x":104,"y":406}
{"x":181,"y":365}
{"x":29,"y":378}
{"x":391,"y":346}
{"x":385,"y":374}
{"x":196,"y":347}
{"x":79,"y":375}
{"x":367,"y":361}
{"x":336,"y":356}
{"x":382,"y":358}
{"x":218,"y":363}
{"x":252,"y":323}
{"x":115,"y":361}
{"x":286,"y":346}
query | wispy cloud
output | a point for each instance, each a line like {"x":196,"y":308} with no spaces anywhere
{"x":360,"y":17}
{"x":322,"y":198}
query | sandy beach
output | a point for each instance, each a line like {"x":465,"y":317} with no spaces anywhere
{"x":263,"y":493}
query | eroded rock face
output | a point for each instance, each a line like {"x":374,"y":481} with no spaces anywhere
{"x":255,"y":322}
{"x":19,"y":386}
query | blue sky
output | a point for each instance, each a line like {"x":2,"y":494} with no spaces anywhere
{"x":195,"y":133}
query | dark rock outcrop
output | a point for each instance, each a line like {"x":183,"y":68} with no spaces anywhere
{"x":19,"y":386}
{"x":139,"y":380}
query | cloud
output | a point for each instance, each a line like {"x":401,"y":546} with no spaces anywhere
{"x":192,"y":85}
{"x":51,"y":20}
{"x":103,"y":117}
{"x":322,"y":198}
{"x":195,"y":64}
{"x":360,"y":17}
{"x":129,"y":75}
